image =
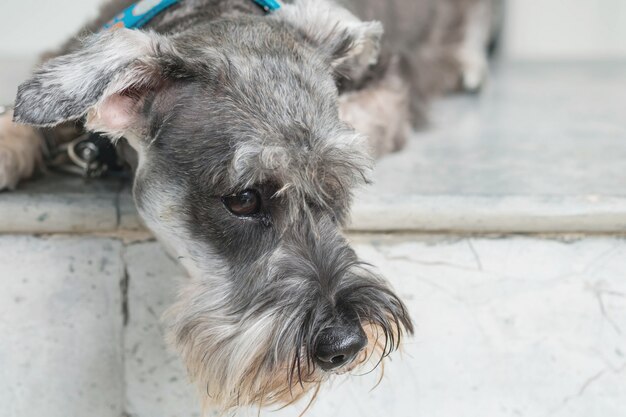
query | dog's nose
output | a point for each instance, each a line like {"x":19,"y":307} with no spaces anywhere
{"x":339,"y":345}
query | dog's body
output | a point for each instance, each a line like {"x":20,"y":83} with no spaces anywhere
{"x":430,"y":47}
{"x":247,"y":162}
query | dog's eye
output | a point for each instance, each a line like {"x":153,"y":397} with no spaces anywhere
{"x":246,"y":203}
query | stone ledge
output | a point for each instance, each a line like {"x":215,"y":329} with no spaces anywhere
{"x":60,"y":204}
{"x":492,"y":214}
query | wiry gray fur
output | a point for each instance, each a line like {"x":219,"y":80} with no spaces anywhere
{"x":217,"y":98}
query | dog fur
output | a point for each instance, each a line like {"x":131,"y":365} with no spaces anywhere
{"x":20,"y":152}
{"x":220,"y":101}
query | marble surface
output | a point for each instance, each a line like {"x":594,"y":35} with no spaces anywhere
{"x":537,"y":129}
{"x":156,"y":384}
{"x":61,"y":325}
{"x":540,"y":150}
{"x":504,"y":327}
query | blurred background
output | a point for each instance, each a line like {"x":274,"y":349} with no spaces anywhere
{"x":502,"y":226}
{"x":535,"y":29}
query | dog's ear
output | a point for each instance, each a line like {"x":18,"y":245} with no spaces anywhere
{"x":350,"y":45}
{"x":106,"y":80}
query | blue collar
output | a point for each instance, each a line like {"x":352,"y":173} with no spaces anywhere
{"x":142,"y":12}
{"x":268,"y":5}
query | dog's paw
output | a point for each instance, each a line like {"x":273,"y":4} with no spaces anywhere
{"x":20,"y":152}
{"x":474,"y":69}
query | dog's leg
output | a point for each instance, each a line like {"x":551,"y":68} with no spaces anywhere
{"x":472,"y":53}
{"x":20,"y":151}
{"x":381,"y":111}
{"x":454,"y":54}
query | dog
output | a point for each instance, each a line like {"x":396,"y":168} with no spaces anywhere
{"x":251,"y":131}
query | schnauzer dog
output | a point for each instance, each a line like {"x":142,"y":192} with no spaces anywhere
{"x":244,"y":124}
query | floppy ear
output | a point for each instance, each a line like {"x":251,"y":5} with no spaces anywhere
{"x":105,"y":80}
{"x":350,"y":44}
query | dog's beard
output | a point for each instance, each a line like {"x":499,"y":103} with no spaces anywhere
{"x":262,"y":355}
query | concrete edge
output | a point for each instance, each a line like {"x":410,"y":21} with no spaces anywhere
{"x":492,"y":214}
{"x":58,"y":213}
{"x":115,"y":212}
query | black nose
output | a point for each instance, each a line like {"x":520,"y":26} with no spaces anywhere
{"x":338,"y":345}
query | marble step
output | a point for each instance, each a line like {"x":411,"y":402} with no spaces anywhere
{"x":60,"y":204}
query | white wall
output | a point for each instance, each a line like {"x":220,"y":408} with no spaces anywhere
{"x":28,"y":27}
{"x":568,"y":29}
{"x":536,"y":29}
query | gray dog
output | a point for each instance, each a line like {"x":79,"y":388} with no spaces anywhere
{"x":244,"y":124}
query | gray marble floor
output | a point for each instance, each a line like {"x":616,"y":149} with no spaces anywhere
{"x":60,"y":319}
{"x":537,"y":129}
{"x":505,"y":327}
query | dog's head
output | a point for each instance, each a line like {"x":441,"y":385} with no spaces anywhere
{"x":246,"y":173}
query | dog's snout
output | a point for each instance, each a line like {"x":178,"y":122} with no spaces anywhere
{"x":339,"y":345}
